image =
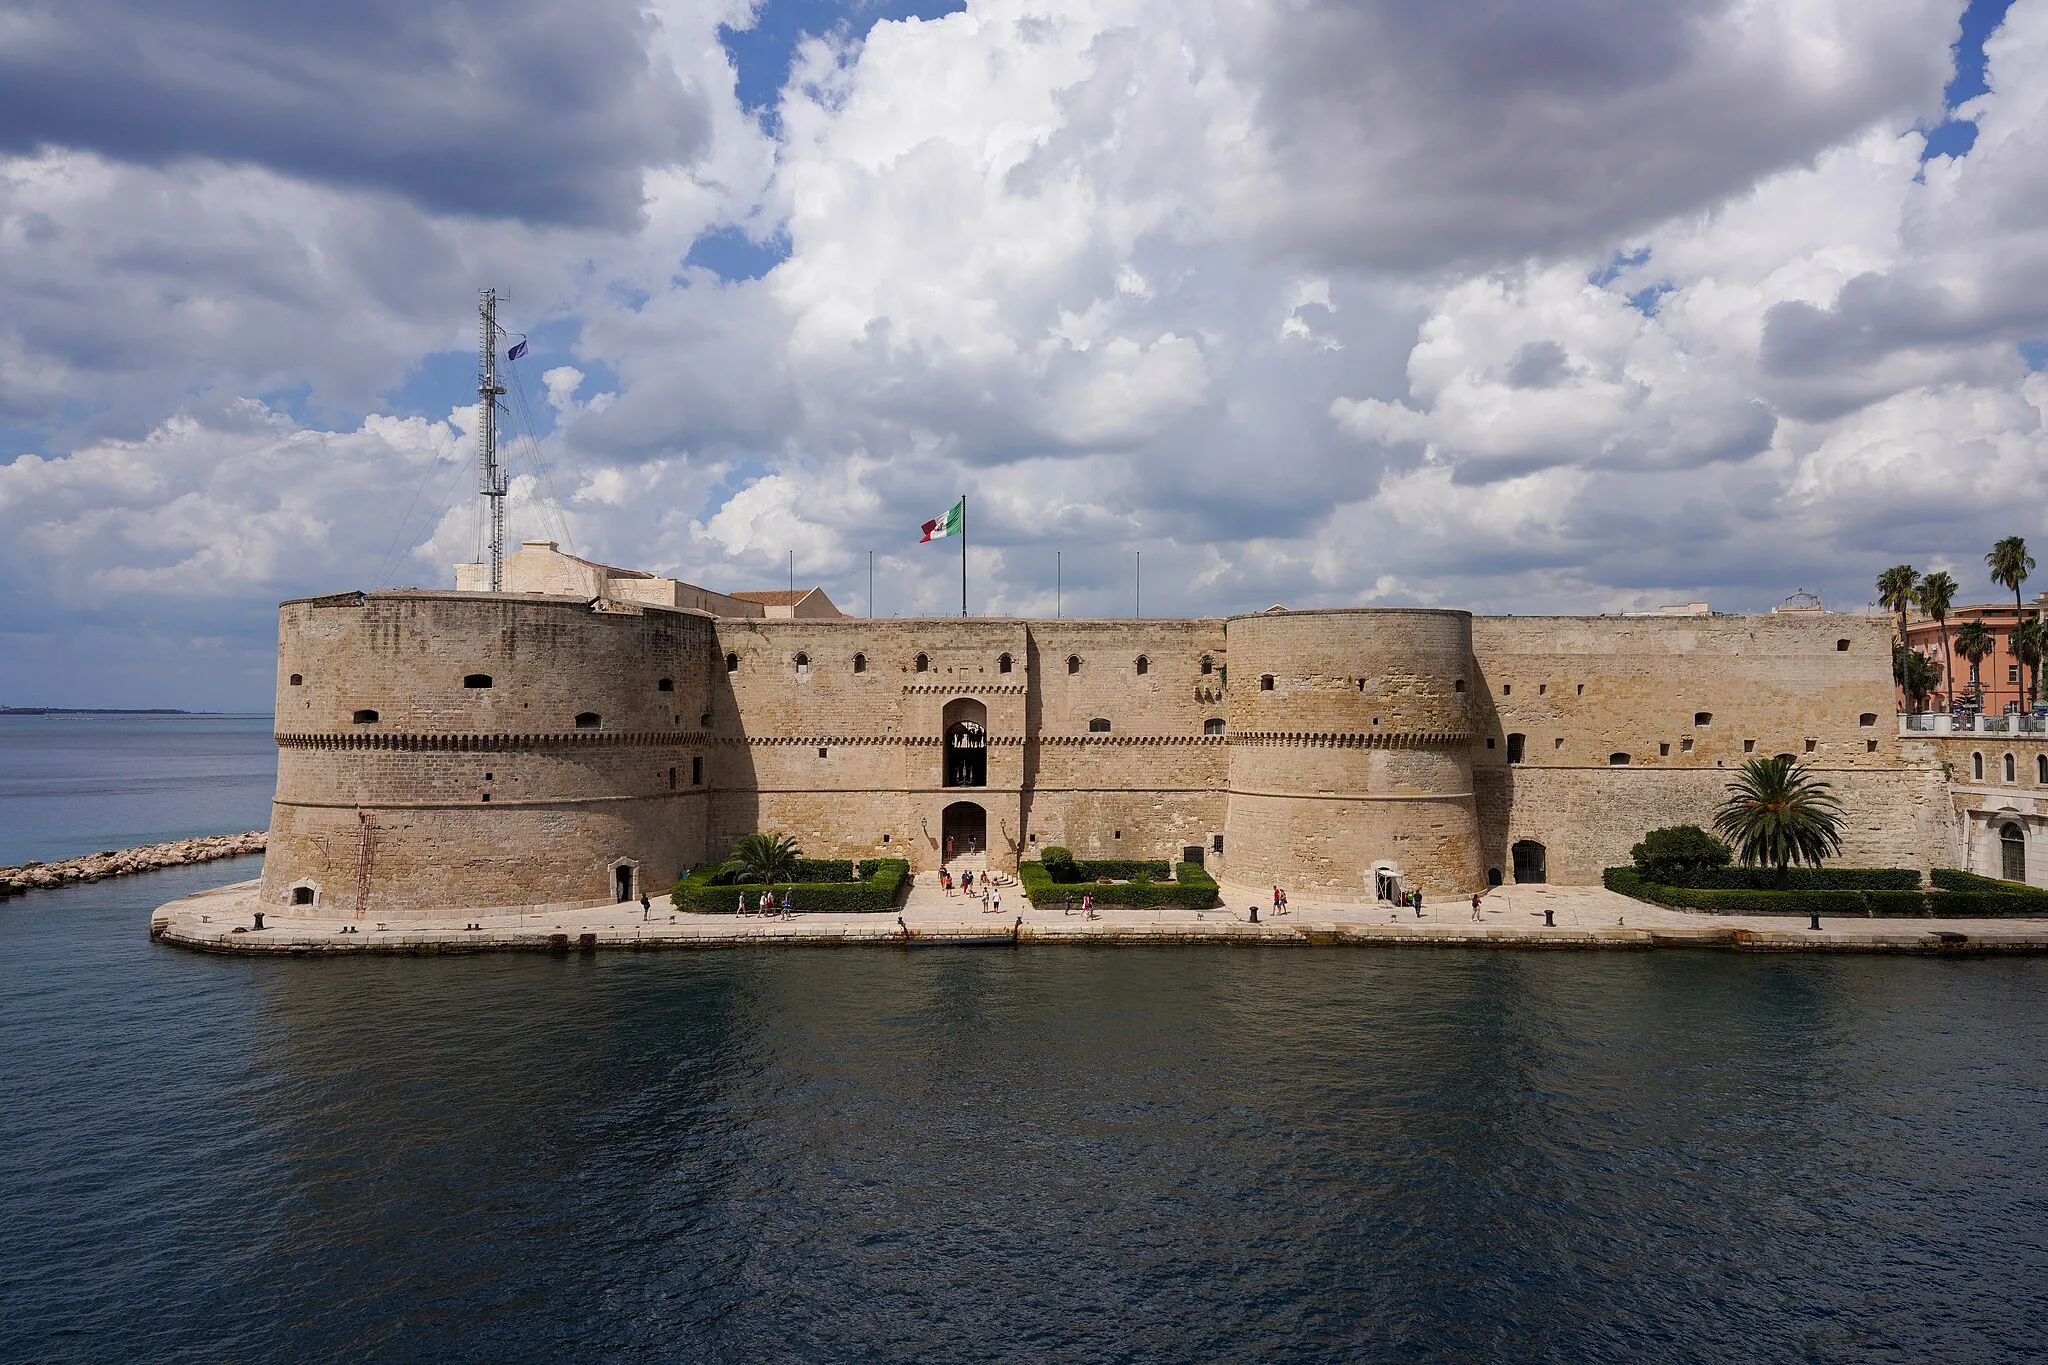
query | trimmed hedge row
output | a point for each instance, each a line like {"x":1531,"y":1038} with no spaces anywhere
{"x":1195,"y":889}
{"x":882,"y":879}
{"x":1880,"y":904}
{"x":1120,"y":869}
{"x":808,"y":871}
{"x":1803,"y":879}
{"x":1955,"y":879}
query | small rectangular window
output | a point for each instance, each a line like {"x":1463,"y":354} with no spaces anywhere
{"x":696,"y":772}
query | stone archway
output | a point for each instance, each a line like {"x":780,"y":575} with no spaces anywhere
{"x":1531,"y":862}
{"x":963,"y":830}
{"x":965,"y":724}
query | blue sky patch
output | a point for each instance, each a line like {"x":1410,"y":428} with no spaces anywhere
{"x":732,"y":255}
{"x":1955,"y":137}
{"x":761,"y":53}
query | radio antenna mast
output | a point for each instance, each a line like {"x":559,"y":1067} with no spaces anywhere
{"x":490,"y":479}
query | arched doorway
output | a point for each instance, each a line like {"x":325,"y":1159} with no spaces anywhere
{"x":2012,"y":853}
{"x":963,"y":830}
{"x":1530,"y":859}
{"x":966,"y":746}
{"x":622,"y":879}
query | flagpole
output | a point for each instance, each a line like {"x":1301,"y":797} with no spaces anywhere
{"x":963,"y":554}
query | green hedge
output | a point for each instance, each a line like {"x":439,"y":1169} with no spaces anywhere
{"x":1880,"y":904}
{"x":1195,"y":889}
{"x":808,"y":871}
{"x":1954,"y":879}
{"x":881,"y":883}
{"x":1803,"y":879}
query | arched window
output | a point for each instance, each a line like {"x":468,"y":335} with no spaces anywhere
{"x":1208,"y":665}
{"x":1516,"y":744}
{"x":1003,"y":664}
{"x":732,"y":663}
{"x":2041,"y":769}
{"x":1073,"y":663}
{"x":1144,"y":665}
{"x":860,"y":663}
{"x":1265,"y":682}
{"x":2012,"y":849}
{"x":1098,"y":726}
{"x":586,"y":720}
{"x":298,"y":680}
{"x":923,"y":663}
{"x":366,"y":717}
{"x":665,"y":685}
{"x":1976,"y":765}
{"x":1617,"y":760}
{"x":1703,"y":718}
{"x":1214,"y":726}
{"x":476,"y":680}
{"x":803,"y":664}
{"x":2008,"y":767}
{"x":1458,"y":686}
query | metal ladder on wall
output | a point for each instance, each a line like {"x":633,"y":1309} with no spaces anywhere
{"x":366,"y":852}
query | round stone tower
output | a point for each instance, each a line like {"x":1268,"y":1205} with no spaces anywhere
{"x":1350,"y":737}
{"x":444,"y":750}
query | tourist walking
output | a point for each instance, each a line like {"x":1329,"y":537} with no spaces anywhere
{"x":1087,"y":905}
{"x":788,"y":903}
{"x":741,"y":908}
{"x":1475,"y":906}
{"x":645,"y":906}
{"x":767,"y":904}
{"x":999,"y":900}
{"x":984,"y":901}
{"x":1283,"y":900}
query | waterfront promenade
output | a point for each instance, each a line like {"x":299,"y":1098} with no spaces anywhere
{"x":1581,"y":917}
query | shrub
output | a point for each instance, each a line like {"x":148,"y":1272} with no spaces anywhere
{"x":1807,"y":879}
{"x":1195,"y":889}
{"x":1678,"y":854}
{"x":1061,"y":862}
{"x":1954,"y":879}
{"x":1843,"y":902}
{"x":881,"y":883}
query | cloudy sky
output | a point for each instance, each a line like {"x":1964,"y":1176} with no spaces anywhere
{"x":1570,"y":305}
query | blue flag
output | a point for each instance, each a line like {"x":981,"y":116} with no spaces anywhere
{"x":516,"y":351}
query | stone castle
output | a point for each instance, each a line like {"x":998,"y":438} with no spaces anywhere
{"x":588,"y":732}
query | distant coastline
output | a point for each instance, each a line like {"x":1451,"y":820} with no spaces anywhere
{"x":99,"y":711}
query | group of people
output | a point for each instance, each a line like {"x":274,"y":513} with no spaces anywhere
{"x":991,"y":888}
{"x":1279,"y":902}
{"x":1087,"y":906}
{"x":766,"y":908}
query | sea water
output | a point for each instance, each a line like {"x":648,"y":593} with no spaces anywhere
{"x":71,"y":785}
{"x":1044,"y":1154}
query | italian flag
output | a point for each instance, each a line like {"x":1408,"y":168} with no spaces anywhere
{"x":947,"y":525}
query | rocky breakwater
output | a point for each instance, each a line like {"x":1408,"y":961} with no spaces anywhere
{"x":122,"y":861}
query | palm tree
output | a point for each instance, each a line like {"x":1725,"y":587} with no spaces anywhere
{"x":1777,"y":814}
{"x":1975,"y":642}
{"x":1936,"y":594}
{"x":1895,"y":592}
{"x":2010,"y":564}
{"x":2029,"y":643}
{"x":766,"y":858}
{"x":1918,"y":676}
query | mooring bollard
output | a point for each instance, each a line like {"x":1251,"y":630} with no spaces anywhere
{"x":1548,"y":922}
{"x":1814,"y":925}
{"x":1255,"y":914}
{"x":259,"y":919}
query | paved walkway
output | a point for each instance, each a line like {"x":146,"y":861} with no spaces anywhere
{"x":1583,"y":917}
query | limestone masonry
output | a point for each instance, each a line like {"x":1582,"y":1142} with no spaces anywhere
{"x":590,"y":732}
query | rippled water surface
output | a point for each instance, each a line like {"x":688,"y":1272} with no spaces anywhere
{"x":1048,"y":1154}
{"x":77,"y":784}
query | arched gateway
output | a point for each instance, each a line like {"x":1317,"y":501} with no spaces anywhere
{"x":964,"y":830}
